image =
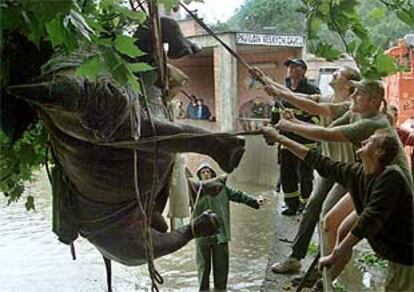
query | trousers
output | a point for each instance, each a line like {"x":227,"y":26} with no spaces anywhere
{"x":209,"y":251}
{"x":293,"y":172}
{"x":325,"y":195}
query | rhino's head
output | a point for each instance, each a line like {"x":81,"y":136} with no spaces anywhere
{"x":90,"y":111}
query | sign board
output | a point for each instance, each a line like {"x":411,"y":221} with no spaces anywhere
{"x":245,"y":38}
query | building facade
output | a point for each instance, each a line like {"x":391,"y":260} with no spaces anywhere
{"x":225,"y":85}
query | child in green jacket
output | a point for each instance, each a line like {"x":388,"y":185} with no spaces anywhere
{"x":215,"y":248}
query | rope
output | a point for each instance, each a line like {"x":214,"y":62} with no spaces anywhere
{"x":180,"y":136}
{"x":155,"y":276}
{"x":239,"y":58}
{"x":158,"y":48}
{"x":195,"y":203}
{"x":161,"y":60}
{"x":200,"y":188}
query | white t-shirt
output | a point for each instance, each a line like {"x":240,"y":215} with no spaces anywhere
{"x":339,"y":151}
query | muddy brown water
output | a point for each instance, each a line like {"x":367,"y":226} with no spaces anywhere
{"x":32,"y":259}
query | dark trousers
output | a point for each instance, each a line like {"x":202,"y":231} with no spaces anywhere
{"x":325,"y":195}
{"x":293,"y":172}
{"x":209,"y":251}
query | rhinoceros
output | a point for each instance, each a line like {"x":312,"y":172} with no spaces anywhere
{"x":107,"y":185}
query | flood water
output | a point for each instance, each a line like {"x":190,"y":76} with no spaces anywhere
{"x":32,"y":259}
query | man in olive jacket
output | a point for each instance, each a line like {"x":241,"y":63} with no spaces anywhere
{"x":383,"y":199}
{"x":215,"y":248}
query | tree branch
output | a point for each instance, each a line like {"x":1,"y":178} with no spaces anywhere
{"x":335,"y":24}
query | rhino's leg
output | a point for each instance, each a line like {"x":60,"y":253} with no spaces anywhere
{"x":179,"y":46}
{"x":227,"y":151}
{"x":124,"y":242}
{"x":158,"y":222}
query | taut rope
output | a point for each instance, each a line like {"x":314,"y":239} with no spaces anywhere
{"x":182,"y":136}
{"x":239,"y":58}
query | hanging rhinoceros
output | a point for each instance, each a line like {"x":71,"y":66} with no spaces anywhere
{"x":102,"y":188}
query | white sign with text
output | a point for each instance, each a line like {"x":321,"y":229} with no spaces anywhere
{"x":269,"y":40}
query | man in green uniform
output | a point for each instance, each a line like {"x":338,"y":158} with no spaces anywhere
{"x":363,"y":118}
{"x":325,"y":192}
{"x":215,"y":248}
{"x":383,"y":198}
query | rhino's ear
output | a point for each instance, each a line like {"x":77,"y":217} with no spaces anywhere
{"x":62,"y":93}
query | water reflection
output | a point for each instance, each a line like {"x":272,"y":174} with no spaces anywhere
{"x":32,"y":259}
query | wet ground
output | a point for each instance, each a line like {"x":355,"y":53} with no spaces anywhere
{"x":32,"y":259}
{"x":357,"y":276}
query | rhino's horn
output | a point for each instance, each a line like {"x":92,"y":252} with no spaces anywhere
{"x":59,"y":94}
{"x":38,"y":93}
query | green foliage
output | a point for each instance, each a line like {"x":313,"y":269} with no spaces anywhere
{"x":125,"y":45}
{"x":343,"y":17}
{"x":20,"y":160}
{"x":370,"y":259}
{"x":90,"y":69}
{"x":404,"y":9}
{"x":383,"y":25}
{"x":104,"y":27}
{"x":67,"y":26}
{"x":254,"y":15}
{"x":313,"y":248}
{"x":169,"y":4}
{"x":339,"y":287}
{"x":327,"y":51}
{"x":362,"y":29}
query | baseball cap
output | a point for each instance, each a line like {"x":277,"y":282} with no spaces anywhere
{"x":371,"y":88}
{"x":298,"y":62}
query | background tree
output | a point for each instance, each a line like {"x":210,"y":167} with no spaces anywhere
{"x":382,"y":23}
{"x":282,"y":15}
{"x":363,"y":29}
{"x":343,"y":17}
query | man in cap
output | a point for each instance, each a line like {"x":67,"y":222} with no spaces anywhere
{"x":361,"y":121}
{"x":292,"y":171}
{"x":383,"y":198}
{"x":326,"y":193}
{"x":215,"y":248}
